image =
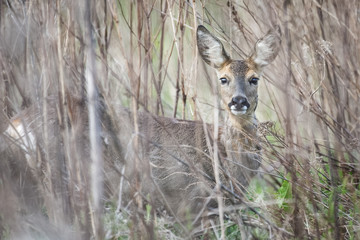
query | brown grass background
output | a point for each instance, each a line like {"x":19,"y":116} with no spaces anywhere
{"x":143,"y":56}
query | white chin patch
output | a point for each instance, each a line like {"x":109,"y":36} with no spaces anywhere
{"x":237,"y":112}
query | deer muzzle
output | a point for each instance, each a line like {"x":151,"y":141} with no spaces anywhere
{"x":239,"y":105}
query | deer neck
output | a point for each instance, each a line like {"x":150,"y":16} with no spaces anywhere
{"x":240,"y":132}
{"x":243,"y":123}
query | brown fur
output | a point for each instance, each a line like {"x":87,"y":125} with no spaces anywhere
{"x":180,"y":152}
{"x":175,"y":157}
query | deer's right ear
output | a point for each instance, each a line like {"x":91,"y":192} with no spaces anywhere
{"x":267,"y":48}
{"x":211,"y":49}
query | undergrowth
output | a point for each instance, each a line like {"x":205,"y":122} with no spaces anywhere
{"x":308,"y":186}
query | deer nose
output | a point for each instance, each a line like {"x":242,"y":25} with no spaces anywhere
{"x":240,"y":101}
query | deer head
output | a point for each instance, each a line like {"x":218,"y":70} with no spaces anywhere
{"x":238,"y":78}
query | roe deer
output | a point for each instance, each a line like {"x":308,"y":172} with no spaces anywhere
{"x":180,"y":151}
{"x":175,"y":156}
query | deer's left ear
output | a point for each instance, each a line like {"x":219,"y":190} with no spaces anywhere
{"x":267,"y":48}
{"x":210,"y":48}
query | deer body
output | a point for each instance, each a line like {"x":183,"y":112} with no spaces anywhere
{"x":180,"y":152}
{"x":174,"y":157}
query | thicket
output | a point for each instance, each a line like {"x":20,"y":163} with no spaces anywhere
{"x":142,"y":54}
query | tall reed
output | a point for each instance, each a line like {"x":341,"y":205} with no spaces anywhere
{"x":142,"y":55}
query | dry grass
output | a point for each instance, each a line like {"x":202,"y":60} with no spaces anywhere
{"x":142,"y":55}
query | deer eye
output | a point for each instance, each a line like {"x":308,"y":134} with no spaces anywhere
{"x":223,"y":80}
{"x":254,"y":81}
